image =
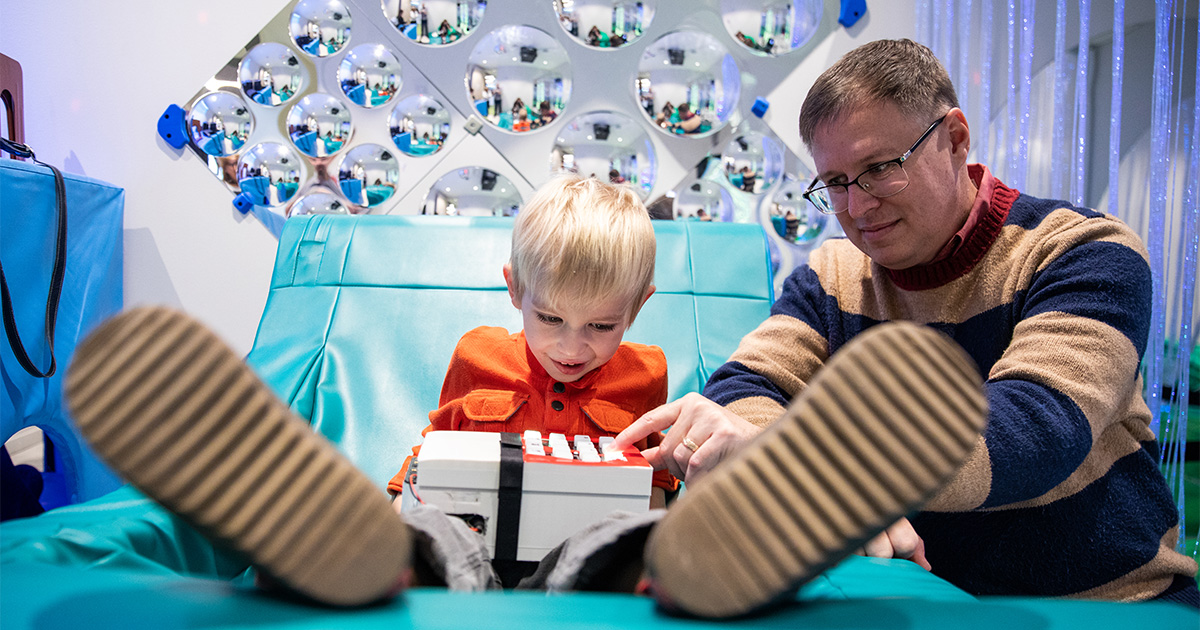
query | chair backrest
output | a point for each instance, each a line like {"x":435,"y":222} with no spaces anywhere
{"x":92,"y":291}
{"x":364,"y":312}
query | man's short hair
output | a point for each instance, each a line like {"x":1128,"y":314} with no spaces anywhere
{"x":583,"y":240}
{"x":897,"y":71}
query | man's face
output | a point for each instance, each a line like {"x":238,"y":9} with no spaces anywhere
{"x":910,"y":227}
{"x":571,"y":340}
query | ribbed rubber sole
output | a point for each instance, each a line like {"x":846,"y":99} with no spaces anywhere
{"x":172,"y":409}
{"x":881,"y":428}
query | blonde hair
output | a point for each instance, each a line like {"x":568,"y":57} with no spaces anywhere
{"x":583,"y":240}
{"x":897,"y":71}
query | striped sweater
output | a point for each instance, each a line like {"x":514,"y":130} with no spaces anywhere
{"x":1062,"y":495}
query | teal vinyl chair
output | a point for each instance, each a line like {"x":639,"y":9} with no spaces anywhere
{"x":359,"y":325}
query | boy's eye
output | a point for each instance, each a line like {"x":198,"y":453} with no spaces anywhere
{"x":548,"y":319}
{"x":604,"y":327}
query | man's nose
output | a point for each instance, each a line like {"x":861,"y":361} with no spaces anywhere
{"x":859,"y":200}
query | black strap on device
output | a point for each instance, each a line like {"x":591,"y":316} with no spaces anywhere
{"x":508,"y":512}
{"x":56,"y":278}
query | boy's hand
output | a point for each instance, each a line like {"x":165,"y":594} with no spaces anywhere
{"x":712,"y":433}
{"x":898,"y":541}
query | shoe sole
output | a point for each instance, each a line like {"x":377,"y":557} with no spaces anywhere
{"x":180,"y":416}
{"x":881,"y":428}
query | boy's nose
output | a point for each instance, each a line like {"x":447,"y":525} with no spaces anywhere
{"x":571,"y":343}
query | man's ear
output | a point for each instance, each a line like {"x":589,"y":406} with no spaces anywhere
{"x":960,"y":134}
{"x":512,"y":292}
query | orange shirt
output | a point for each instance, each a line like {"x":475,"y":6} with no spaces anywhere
{"x":495,"y":384}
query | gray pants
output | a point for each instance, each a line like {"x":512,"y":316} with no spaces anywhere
{"x":600,"y":557}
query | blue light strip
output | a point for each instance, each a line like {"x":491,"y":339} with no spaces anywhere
{"x":1009,"y":142}
{"x":1114,"y":131}
{"x":985,"y":96}
{"x":1159,"y":140}
{"x":1078,"y":185}
{"x":1026,"y":92}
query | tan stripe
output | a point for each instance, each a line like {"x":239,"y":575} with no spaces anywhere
{"x":1088,"y":361}
{"x":785,"y":350}
{"x":757,"y":410}
{"x":1007,"y":267}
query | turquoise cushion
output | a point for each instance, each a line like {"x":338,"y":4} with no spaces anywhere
{"x":50,"y":597}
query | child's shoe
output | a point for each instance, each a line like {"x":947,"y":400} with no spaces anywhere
{"x":877,"y":432}
{"x":172,"y":409}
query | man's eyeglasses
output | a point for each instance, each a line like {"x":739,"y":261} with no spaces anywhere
{"x":881,"y":180}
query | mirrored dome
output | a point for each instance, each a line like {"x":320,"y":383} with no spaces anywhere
{"x":270,"y":74}
{"x":318,"y":202}
{"x":473,"y":191}
{"x":320,"y":27}
{"x":419,"y":125}
{"x":609,"y":146}
{"x":368,"y":175}
{"x":703,"y":200}
{"x":687,"y":83}
{"x":219,"y":123}
{"x":791,"y":217}
{"x":369,"y":75}
{"x":319,"y":125}
{"x":772,"y":27}
{"x":753,"y":161}
{"x":269,"y":174}
{"x":434,"y":22}
{"x":604,"y":23}
{"x":519,"y":78}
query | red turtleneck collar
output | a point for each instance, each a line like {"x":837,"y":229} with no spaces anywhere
{"x":967,"y":247}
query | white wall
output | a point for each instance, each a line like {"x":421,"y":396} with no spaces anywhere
{"x":99,"y":74}
{"x":97,"y":77}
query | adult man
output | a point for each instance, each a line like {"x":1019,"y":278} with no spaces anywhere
{"x":1062,"y":495}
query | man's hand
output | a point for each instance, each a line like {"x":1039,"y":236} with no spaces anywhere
{"x":898,"y":541}
{"x":712,"y":433}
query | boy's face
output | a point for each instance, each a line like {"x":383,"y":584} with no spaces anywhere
{"x":573,"y":339}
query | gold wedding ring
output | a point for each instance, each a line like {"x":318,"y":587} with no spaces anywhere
{"x":690,"y":444}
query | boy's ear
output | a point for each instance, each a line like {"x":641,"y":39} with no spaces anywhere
{"x":512,"y":293}
{"x":649,"y":292}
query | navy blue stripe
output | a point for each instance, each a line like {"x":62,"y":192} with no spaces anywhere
{"x":805,"y":299}
{"x":1107,"y":282}
{"x":1077,"y":543}
{"x":1036,"y":437}
{"x":1028,"y":212}
{"x":734,"y":381}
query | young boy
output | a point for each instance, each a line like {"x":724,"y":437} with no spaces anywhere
{"x":184,"y":419}
{"x":582,"y":266}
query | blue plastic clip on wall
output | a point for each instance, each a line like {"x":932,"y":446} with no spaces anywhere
{"x":171,"y":127}
{"x":243,"y":203}
{"x":851,"y":11}
{"x":759,"y":107}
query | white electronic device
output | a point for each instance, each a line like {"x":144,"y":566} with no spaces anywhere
{"x":558,"y":486}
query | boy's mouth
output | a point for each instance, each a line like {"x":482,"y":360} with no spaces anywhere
{"x":570,"y":368}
